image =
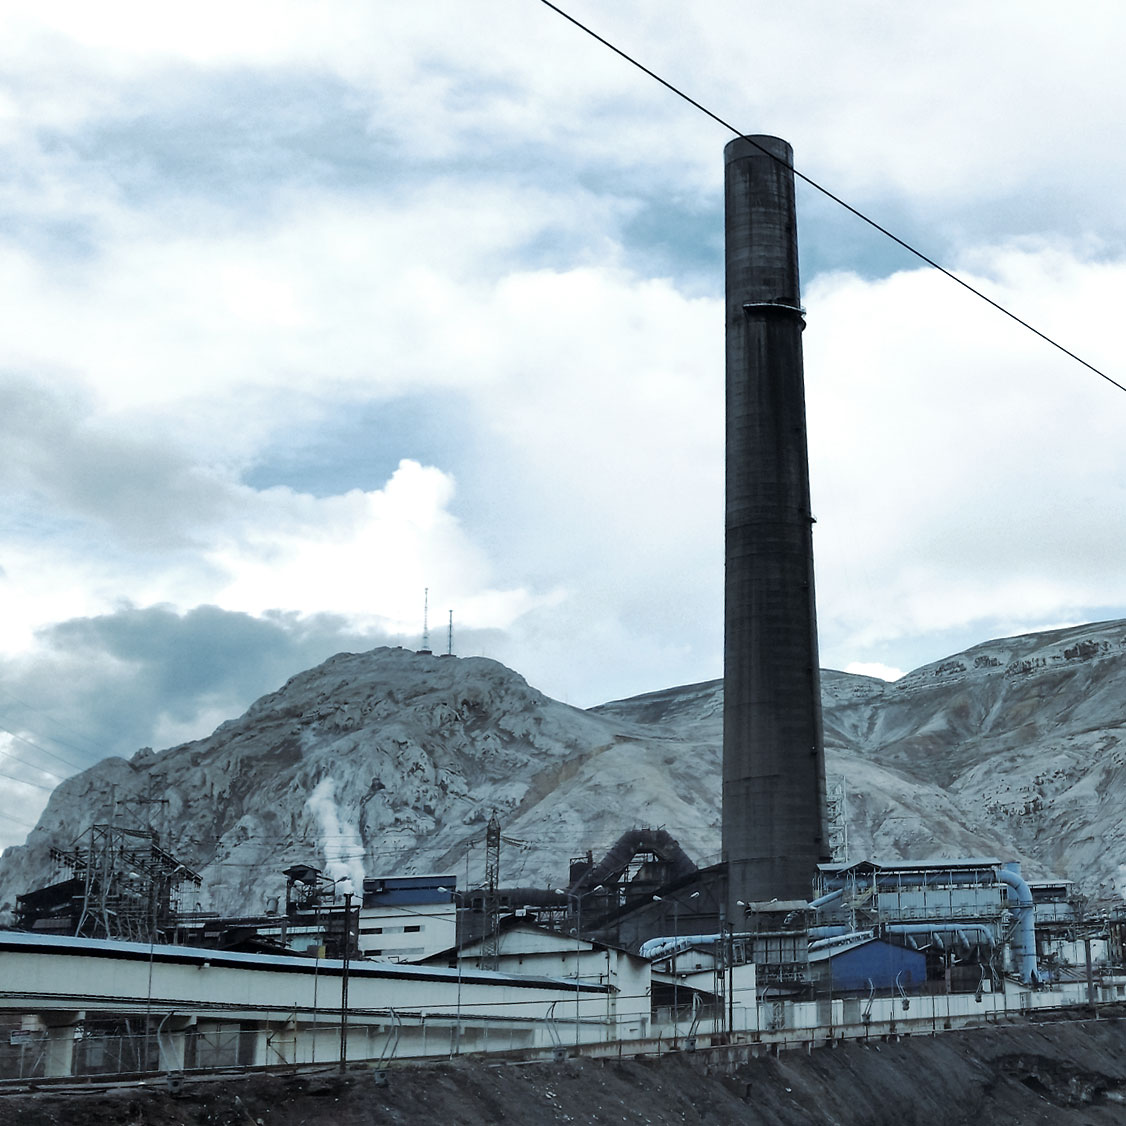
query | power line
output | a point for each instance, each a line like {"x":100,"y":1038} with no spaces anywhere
{"x":5,"y":816}
{"x":7,"y":754}
{"x":10,"y":756}
{"x":50,"y":754}
{"x":835,"y":198}
{"x":84,"y":751}
{"x":25,"y":782}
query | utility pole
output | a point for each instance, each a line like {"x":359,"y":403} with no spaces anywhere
{"x":1091,"y":1006}
{"x":344,"y":981}
{"x":730,"y":981}
{"x":578,"y":960}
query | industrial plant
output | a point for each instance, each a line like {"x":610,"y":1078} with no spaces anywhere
{"x":787,"y":940}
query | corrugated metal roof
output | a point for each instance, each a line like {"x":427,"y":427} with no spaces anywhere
{"x":914,"y":865}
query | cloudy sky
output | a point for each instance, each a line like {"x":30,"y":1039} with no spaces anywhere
{"x":309,"y":307}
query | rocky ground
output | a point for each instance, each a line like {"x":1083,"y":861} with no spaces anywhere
{"x":1064,"y":1072}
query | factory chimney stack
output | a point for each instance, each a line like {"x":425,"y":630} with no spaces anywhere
{"x":774,"y":819}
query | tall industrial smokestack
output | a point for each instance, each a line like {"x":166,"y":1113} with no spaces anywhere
{"x":774,"y":823}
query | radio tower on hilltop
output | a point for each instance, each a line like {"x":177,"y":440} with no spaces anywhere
{"x":425,"y":621}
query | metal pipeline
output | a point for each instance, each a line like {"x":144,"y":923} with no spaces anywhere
{"x":664,"y":947}
{"x":825,"y":900}
{"x":936,"y":931}
{"x":840,"y":940}
{"x":671,"y":944}
{"x":827,"y":931}
{"x":625,"y":848}
{"x":1024,"y":943}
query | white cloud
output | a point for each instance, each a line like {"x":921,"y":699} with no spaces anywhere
{"x":946,"y":460}
{"x":963,"y":471}
{"x":365,"y":555}
{"x":228,"y":225}
{"x":984,"y":106}
{"x":873,"y":668}
{"x":334,"y":296}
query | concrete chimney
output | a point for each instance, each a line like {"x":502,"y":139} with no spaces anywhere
{"x":774,"y":821}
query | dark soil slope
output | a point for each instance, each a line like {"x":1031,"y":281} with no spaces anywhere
{"x":1054,"y":1073}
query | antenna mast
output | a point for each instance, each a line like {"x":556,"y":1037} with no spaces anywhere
{"x":425,"y":621}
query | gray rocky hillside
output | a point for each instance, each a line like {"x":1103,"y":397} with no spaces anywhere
{"x":391,"y":761}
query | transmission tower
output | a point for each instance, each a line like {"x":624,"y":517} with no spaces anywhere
{"x":136,"y":802}
{"x":130,"y":885}
{"x":490,"y":951}
{"x":836,"y":808}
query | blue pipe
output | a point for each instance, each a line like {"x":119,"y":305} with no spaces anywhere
{"x":1024,"y":944}
{"x":841,"y":940}
{"x":937,"y":929}
{"x":825,"y":900}
{"x":665,"y":947}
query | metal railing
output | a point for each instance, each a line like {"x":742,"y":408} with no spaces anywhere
{"x":130,"y":1046}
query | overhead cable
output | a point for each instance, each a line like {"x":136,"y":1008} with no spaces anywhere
{"x":25,"y":782}
{"x":835,"y":198}
{"x":94,"y":747}
{"x":36,"y":747}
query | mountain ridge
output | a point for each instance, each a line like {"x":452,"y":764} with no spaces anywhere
{"x":393,"y":760}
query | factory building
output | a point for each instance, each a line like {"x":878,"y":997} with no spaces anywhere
{"x":935,"y":926}
{"x":407,"y":918}
{"x":775,"y":943}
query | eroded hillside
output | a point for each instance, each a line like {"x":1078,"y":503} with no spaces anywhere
{"x":391,"y":761}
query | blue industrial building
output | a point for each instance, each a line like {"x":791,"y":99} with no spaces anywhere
{"x":871,"y":964}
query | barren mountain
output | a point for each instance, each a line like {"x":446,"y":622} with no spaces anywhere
{"x":391,"y":761}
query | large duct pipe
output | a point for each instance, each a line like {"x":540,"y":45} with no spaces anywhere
{"x":936,"y":930}
{"x":828,"y":930}
{"x":626,"y":847}
{"x":846,"y":939}
{"x":1024,"y":941}
{"x":664,"y":946}
{"x":825,"y":900}
{"x":774,"y":820}
{"x":667,"y":945}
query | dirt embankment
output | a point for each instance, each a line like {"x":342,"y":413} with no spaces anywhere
{"x":1055,"y":1073}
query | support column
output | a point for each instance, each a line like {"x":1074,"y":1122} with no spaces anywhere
{"x":280,"y":1043}
{"x":58,"y":1057}
{"x":172,"y":1041}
